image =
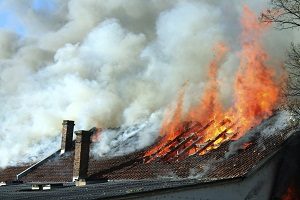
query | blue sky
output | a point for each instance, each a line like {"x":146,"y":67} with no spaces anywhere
{"x":43,"y":5}
{"x":10,"y":21}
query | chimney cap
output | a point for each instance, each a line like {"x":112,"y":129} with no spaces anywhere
{"x":83,"y":132}
{"x":67,"y":122}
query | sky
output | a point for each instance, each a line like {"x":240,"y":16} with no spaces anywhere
{"x":9,"y":20}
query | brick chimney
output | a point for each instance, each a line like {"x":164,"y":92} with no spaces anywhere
{"x":67,"y":136}
{"x":81,"y":157}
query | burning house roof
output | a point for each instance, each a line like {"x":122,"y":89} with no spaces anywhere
{"x":231,"y":160}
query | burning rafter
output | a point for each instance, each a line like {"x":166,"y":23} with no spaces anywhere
{"x":202,"y":146}
{"x":192,"y":138}
{"x":156,"y":153}
{"x":223,"y":135}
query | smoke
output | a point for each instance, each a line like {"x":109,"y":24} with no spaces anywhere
{"x":199,"y":173}
{"x":280,"y":122}
{"x":109,"y":64}
{"x":126,"y":139}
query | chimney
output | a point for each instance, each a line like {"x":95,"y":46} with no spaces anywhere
{"x":67,"y":136}
{"x":81,"y":157}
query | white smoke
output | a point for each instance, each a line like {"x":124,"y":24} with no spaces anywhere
{"x":108,"y":64}
{"x":126,"y":139}
{"x":280,"y":122}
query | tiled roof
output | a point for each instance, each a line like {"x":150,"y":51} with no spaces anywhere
{"x":215,"y":165}
{"x":211,"y":166}
{"x":9,"y":174}
{"x":57,"y":169}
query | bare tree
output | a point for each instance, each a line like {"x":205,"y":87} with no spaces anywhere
{"x":293,"y":68}
{"x":285,"y":14}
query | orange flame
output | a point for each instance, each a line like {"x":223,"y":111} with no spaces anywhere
{"x":256,"y":93}
{"x":171,"y":123}
{"x":210,"y":102}
{"x":173,"y":119}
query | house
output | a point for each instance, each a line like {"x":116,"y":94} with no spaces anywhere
{"x":257,"y":166}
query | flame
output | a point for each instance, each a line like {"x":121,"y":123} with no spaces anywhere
{"x":171,"y":123}
{"x":291,"y":194}
{"x":173,"y":119}
{"x":256,"y":94}
{"x":97,"y":135}
{"x":210,"y":103}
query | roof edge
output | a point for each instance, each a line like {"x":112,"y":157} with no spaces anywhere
{"x":36,"y":165}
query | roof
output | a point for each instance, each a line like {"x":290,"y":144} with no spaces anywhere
{"x":10,"y":173}
{"x":171,"y":188}
{"x":231,"y":160}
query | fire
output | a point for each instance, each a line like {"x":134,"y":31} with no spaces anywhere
{"x":256,"y":94}
{"x":96,"y":135}
{"x":210,"y":103}
{"x":291,"y":194}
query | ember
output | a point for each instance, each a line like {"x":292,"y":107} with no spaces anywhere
{"x":247,"y":145}
{"x":207,"y":125}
